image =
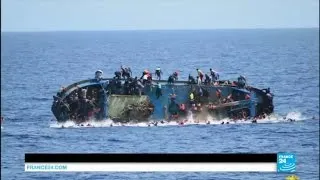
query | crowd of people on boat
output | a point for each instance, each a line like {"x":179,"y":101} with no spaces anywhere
{"x":197,"y":107}
{"x":79,"y":105}
{"x":126,"y":73}
{"x":133,"y":86}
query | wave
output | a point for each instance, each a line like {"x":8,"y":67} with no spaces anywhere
{"x":273,"y":118}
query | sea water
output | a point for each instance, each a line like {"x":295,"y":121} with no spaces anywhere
{"x":36,"y":65}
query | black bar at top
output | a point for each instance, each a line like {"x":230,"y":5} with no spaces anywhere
{"x":146,"y":158}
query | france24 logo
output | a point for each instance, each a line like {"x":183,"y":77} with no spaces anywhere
{"x":286,"y":162}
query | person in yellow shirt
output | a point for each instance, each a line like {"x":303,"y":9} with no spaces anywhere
{"x":191,"y":98}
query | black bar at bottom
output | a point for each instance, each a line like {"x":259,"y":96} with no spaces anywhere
{"x":144,"y":158}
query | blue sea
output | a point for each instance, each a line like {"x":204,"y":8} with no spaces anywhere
{"x":35,"y":65}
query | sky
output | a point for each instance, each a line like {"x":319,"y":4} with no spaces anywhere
{"x":99,"y":15}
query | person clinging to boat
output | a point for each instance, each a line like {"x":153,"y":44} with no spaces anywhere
{"x":241,"y":81}
{"x":218,"y":95}
{"x":207,"y":79}
{"x":172,"y":78}
{"x":158,"y":90}
{"x":200,"y":76}
{"x":175,"y":76}
{"x":214,"y":75}
{"x":191,"y":98}
{"x":191,"y":80}
{"x":98,"y":75}
{"x":117,"y":75}
{"x":146,"y":77}
{"x":158,"y":73}
{"x":173,"y":107}
{"x":126,"y":72}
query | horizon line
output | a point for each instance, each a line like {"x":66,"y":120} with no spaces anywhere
{"x":204,"y":29}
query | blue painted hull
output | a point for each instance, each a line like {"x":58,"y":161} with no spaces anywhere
{"x":161,"y":106}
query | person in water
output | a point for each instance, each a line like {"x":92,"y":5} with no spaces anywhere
{"x":158,"y":73}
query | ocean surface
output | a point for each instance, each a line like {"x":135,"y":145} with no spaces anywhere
{"x":35,"y":65}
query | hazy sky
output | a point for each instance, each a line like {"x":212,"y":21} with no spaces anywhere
{"x":64,"y":15}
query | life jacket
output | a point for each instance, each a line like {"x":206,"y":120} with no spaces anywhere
{"x":191,"y":96}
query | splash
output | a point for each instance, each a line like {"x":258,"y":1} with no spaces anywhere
{"x":295,"y":115}
{"x":273,"y":118}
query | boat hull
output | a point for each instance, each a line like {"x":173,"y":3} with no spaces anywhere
{"x":154,"y":103}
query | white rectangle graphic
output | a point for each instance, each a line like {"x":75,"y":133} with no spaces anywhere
{"x":151,"y":167}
